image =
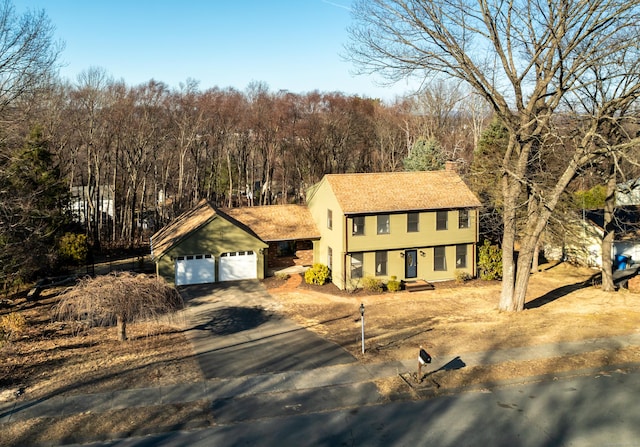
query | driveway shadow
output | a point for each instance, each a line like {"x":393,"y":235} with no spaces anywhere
{"x":235,"y":332}
{"x":230,"y":320}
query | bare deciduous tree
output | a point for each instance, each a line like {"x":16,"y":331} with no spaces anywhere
{"x":28,"y":53}
{"x":531,"y":61}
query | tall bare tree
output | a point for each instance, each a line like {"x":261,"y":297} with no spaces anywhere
{"x":529,"y":60}
{"x":28,"y":52}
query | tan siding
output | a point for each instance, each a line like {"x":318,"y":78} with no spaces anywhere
{"x":320,"y":201}
{"x":358,"y":193}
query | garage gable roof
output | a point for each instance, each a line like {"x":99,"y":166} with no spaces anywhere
{"x":400,"y":191}
{"x":276,"y":222}
{"x":181,"y":227}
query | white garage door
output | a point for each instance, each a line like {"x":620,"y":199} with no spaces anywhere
{"x":238,"y":265}
{"x":195,"y":269}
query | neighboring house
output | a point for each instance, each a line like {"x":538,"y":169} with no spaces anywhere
{"x":578,"y":242}
{"x":628,"y":193}
{"x":582,"y":238}
{"x":411,"y":225}
{"x":207,"y":244}
{"x":84,"y":202}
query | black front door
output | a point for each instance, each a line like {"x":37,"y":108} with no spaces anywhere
{"x":410,"y":263}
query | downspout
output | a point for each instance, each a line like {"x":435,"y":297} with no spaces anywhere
{"x":475,"y":246}
{"x":346,"y":250}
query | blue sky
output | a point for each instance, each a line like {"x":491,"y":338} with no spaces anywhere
{"x":293,"y":45}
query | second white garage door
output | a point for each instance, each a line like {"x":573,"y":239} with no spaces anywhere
{"x":238,"y":265}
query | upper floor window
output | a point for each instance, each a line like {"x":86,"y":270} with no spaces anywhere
{"x":357,"y":226}
{"x":439,"y":259}
{"x":413,"y":221}
{"x":441,"y":220}
{"x":356,"y":265}
{"x":463,"y":218}
{"x":383,"y":224}
{"x":461,"y":256}
{"x":329,"y":219}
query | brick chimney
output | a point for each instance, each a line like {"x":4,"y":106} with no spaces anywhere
{"x":451,"y":166}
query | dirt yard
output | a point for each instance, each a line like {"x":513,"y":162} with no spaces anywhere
{"x":50,"y":358}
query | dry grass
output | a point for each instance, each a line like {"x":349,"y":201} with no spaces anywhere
{"x":49,"y":358}
{"x":455,"y":319}
{"x":57,"y":358}
{"x":87,"y":427}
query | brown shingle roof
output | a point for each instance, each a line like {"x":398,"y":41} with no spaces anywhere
{"x":276,"y":222}
{"x":181,"y":227}
{"x":400,"y":191}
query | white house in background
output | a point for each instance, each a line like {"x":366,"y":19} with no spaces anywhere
{"x":628,"y":193}
{"x":582,"y":242}
{"x":82,"y":204}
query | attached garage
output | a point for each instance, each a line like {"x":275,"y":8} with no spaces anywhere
{"x":205,"y":245}
{"x":238,"y":265}
{"x":195,"y":269}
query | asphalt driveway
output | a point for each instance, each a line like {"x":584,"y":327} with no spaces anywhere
{"x":236,"y":331}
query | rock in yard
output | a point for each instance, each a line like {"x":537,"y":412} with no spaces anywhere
{"x":634,"y":284}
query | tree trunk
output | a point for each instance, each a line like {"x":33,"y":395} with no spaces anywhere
{"x":510,"y":194}
{"x":121,"y":327}
{"x":536,"y":255}
{"x":609,"y":234}
{"x":523,"y":272}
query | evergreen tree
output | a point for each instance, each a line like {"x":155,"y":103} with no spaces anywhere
{"x":426,"y":155}
{"x":484,"y":178}
{"x":33,"y":211}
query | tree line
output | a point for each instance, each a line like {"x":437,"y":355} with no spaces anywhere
{"x":560,"y":82}
{"x":151,"y":152}
{"x":128,"y":159}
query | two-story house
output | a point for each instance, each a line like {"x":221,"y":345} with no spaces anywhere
{"x":411,"y":225}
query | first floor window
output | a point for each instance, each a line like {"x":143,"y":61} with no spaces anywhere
{"x":381,"y":263}
{"x":356,"y":265}
{"x":461,"y":256}
{"x":286,"y":248}
{"x":329,"y":258}
{"x":439,"y":259}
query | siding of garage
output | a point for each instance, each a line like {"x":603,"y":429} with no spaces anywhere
{"x":216,"y":237}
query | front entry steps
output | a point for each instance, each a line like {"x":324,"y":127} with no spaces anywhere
{"x":418,"y":285}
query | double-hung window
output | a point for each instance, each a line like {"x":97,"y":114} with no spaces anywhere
{"x":461,"y":256}
{"x":463,"y":218}
{"x":381,"y":263}
{"x":383,"y":224}
{"x":413,"y":221}
{"x":329,"y":219}
{"x":357,"y":226}
{"x":441,"y":220}
{"x":356,"y":265}
{"x":439,"y":259}
{"x":330,"y":258}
